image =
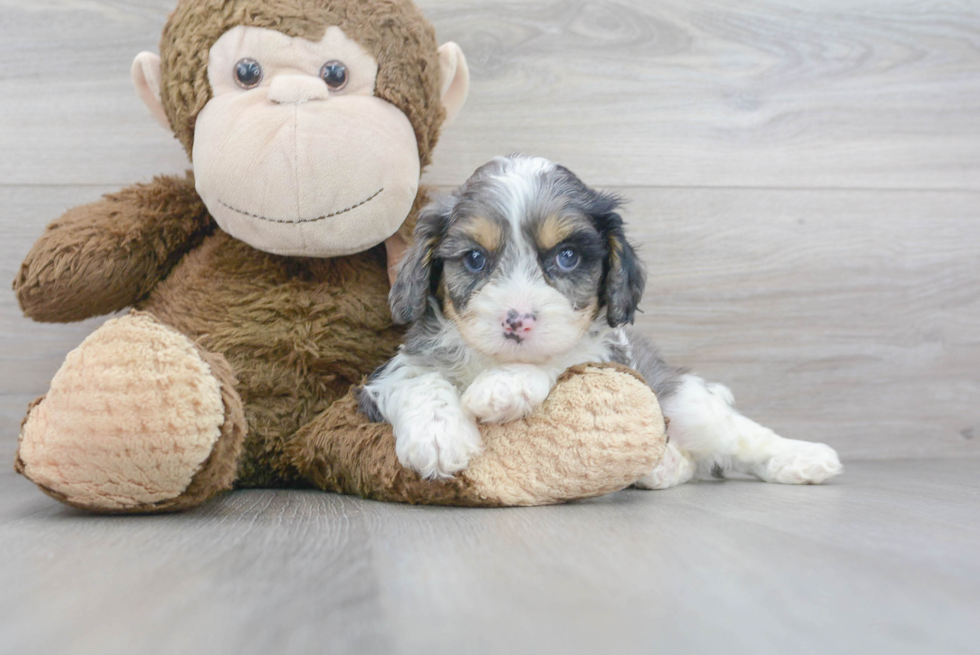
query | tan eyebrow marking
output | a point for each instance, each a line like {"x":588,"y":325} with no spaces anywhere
{"x":553,"y":230}
{"x":484,"y":231}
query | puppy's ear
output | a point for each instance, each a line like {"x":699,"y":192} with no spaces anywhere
{"x":410,"y":293}
{"x":625,"y":278}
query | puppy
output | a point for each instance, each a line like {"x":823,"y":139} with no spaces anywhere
{"x":517,"y":275}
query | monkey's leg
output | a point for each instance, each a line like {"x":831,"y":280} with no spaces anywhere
{"x":598,"y":432}
{"x":138,"y":419}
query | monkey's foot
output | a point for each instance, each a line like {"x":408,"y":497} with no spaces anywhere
{"x":598,"y":432}
{"x":138,"y":419}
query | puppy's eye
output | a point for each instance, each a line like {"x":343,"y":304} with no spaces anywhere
{"x":567,"y":260}
{"x":248,"y":73}
{"x":334,"y":73}
{"x":474,"y":261}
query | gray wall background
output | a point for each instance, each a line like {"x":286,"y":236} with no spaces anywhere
{"x":804,"y":180}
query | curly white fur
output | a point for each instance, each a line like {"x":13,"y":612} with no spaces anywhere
{"x":459,"y":369}
{"x":709,"y":437}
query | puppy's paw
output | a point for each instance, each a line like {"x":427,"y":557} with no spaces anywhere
{"x":437,"y":442}
{"x":675,"y":468}
{"x":507,"y":393}
{"x":802,"y":462}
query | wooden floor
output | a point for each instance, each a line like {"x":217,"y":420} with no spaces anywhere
{"x":804,"y":178}
{"x":883,"y":561}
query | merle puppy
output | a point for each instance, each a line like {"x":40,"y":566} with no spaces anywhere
{"x":517,"y":275}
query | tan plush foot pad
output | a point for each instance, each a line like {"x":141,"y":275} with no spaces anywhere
{"x":131,"y":417}
{"x":599,"y":431}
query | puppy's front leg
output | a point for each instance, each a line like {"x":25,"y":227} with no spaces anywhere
{"x":508,"y":393}
{"x":434,"y":434}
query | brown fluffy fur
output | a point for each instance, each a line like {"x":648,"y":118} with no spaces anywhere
{"x":394,"y":31}
{"x":107,"y":255}
{"x":295,"y":333}
{"x":286,"y":337}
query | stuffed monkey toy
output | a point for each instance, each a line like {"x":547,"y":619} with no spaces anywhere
{"x":258,"y":283}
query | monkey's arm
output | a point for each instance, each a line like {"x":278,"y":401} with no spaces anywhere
{"x":103,"y":257}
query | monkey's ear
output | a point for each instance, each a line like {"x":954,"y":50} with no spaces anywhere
{"x":146,"y":78}
{"x":455,"y":79}
{"x":409,"y":295}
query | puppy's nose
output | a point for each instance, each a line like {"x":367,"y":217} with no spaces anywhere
{"x":296,"y":89}
{"x":518,"y":324}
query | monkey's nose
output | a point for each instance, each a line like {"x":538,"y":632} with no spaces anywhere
{"x":296,"y":89}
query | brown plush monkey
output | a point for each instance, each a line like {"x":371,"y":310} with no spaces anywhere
{"x":259,"y":282}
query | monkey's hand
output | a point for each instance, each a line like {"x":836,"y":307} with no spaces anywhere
{"x":105,"y":256}
{"x":507,"y":393}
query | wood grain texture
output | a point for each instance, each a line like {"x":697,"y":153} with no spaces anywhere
{"x":792,"y":93}
{"x":849,"y":317}
{"x":884,"y":560}
{"x":796,"y":93}
{"x":804,"y":186}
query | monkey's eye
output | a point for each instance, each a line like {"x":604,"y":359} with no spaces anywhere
{"x":567,"y":260}
{"x":474,"y":261}
{"x":248,"y":73}
{"x":334,"y":73}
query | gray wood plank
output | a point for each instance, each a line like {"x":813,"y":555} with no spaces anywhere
{"x":828,"y":93}
{"x":264,"y":574}
{"x":881,"y":560}
{"x":68,"y":112}
{"x":849,"y":317}
{"x":788,"y":93}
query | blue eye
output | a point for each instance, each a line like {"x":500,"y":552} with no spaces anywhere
{"x":474,"y":261}
{"x":567,"y":260}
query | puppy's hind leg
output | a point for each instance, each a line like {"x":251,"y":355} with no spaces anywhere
{"x":705,"y":425}
{"x":676,"y":467}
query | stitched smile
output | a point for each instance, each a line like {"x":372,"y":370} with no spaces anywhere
{"x":304,"y":220}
